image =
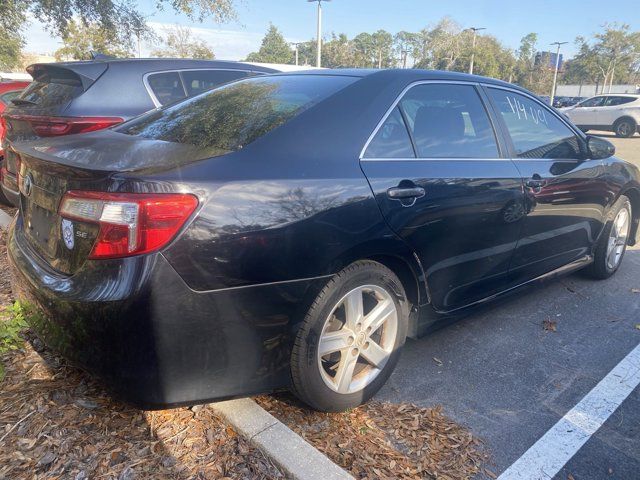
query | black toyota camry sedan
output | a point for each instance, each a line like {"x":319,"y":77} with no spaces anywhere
{"x":291,"y":231}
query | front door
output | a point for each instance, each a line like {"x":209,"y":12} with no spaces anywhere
{"x":566,"y":193}
{"x":586,"y":113}
{"x":442,"y":185}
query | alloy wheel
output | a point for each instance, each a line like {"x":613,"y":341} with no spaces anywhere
{"x":618,"y":238}
{"x":357,"y":339}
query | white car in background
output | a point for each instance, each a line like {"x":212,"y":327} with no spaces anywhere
{"x":618,"y":113}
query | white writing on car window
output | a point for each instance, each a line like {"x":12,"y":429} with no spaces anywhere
{"x":536,"y":115}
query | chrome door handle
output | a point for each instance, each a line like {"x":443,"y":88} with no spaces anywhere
{"x":400,"y":193}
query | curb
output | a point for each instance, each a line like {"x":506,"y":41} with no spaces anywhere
{"x":289,"y":451}
{"x":5,"y":219}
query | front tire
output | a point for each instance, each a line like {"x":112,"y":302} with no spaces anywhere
{"x":613,"y":241}
{"x":350,"y":339}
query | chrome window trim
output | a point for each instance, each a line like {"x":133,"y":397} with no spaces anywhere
{"x":437,"y":159}
{"x":397,"y":101}
{"x":154,"y":99}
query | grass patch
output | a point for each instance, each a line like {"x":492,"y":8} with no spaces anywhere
{"x":12,"y":323}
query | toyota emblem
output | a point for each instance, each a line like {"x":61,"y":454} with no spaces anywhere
{"x":27,"y":185}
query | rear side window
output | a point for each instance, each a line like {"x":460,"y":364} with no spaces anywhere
{"x":614,"y":101}
{"x":198,"y":81}
{"x":234,"y":115}
{"x":534,"y":130}
{"x":392,"y":139}
{"x":448,"y":121}
{"x":166,"y":86}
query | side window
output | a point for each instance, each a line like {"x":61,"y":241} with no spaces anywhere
{"x":534,"y":130}
{"x":593,"y":102}
{"x":615,"y":101}
{"x":392,"y":139}
{"x":198,"y":81}
{"x":166,"y":86}
{"x":448,"y":121}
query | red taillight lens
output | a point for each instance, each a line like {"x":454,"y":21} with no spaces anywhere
{"x":130,"y":223}
{"x":54,"y":126}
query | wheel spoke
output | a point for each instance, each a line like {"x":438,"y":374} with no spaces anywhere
{"x":353,"y":308}
{"x":380,"y":313}
{"x":334,"y":341}
{"x":344,"y":374}
{"x":374,"y":354}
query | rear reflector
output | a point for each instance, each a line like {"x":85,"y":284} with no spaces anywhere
{"x":130,"y":223}
{"x":55,"y":126}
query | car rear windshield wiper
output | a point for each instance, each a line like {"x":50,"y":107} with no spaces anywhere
{"x":22,"y":101}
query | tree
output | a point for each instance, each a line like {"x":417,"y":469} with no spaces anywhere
{"x":337,"y":52}
{"x":118,"y":17}
{"x":179,"y":43}
{"x":274,"y":48}
{"x":81,"y":40}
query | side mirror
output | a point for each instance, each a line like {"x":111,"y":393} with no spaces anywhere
{"x":599,"y":148}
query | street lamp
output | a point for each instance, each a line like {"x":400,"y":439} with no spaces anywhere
{"x":295,"y":46}
{"x":473,"y":46}
{"x":319,"y":46}
{"x":555,"y":74}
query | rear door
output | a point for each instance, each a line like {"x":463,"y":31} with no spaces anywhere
{"x":566,"y":193}
{"x":612,"y":109}
{"x":437,"y":172}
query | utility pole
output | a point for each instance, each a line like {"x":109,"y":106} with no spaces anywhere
{"x":555,"y":73}
{"x":473,"y":46}
{"x":319,"y":45}
{"x":404,"y":57}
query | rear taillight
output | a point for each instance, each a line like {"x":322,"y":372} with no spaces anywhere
{"x":54,"y":126}
{"x":130,"y":223}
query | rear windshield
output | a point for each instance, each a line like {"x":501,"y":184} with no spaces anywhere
{"x":51,"y":87}
{"x":234,"y":115}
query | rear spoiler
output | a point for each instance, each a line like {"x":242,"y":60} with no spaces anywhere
{"x":84,"y":72}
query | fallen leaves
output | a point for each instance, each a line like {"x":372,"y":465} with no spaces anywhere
{"x":550,"y":325}
{"x":386,"y":440}
{"x":56,"y":422}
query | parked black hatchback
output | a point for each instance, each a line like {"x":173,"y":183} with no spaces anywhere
{"x":75,"y":97}
{"x":290,"y":231}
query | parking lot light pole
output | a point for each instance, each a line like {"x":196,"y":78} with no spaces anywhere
{"x":555,"y":73}
{"x":473,"y":46}
{"x":319,"y":46}
{"x":295,"y":46}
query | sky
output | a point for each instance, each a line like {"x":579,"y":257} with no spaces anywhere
{"x":509,"y":21}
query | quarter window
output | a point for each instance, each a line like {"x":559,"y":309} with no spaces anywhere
{"x":166,"y":86}
{"x":392,"y":139}
{"x":534,"y":130}
{"x":448,"y":121}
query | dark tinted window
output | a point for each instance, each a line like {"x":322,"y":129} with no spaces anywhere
{"x":614,"y":101}
{"x":51,"y":87}
{"x":593,"y":102}
{"x":198,"y":81}
{"x":534,"y":130}
{"x":167,"y":87}
{"x":392,"y":139}
{"x":448,"y":121}
{"x":234,"y":115}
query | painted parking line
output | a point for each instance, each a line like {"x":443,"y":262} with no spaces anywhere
{"x":555,"y":448}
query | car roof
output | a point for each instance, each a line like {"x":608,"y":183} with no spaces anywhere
{"x":410,"y":74}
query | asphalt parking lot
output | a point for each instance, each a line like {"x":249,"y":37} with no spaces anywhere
{"x":510,"y":380}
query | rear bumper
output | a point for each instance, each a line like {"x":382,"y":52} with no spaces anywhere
{"x":153,"y":340}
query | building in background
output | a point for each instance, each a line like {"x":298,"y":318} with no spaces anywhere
{"x":548,"y":60}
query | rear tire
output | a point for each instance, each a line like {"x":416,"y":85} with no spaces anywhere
{"x":624,"y":128}
{"x":612,"y":244}
{"x":359,"y":320}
